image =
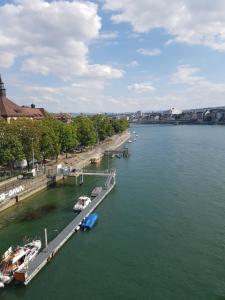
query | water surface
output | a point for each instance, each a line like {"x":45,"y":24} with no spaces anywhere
{"x":160,"y":233}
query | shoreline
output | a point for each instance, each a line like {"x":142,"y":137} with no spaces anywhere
{"x":80,"y":160}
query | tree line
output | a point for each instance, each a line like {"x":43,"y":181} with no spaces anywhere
{"x":47,"y":138}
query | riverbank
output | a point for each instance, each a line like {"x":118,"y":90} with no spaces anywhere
{"x":23,"y":189}
{"x":82,"y":159}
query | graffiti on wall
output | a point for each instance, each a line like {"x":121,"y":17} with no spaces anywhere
{"x":11,"y":193}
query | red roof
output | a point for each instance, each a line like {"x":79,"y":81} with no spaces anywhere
{"x":10,"y":109}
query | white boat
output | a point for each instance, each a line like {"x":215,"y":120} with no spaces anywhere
{"x":14,"y":260}
{"x":82,"y":203}
{"x":129,"y":141}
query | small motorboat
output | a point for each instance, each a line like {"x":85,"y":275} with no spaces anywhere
{"x":89,"y":221}
{"x":82,"y":203}
{"x":129,"y":141}
{"x":14,"y":260}
{"x":96,"y":191}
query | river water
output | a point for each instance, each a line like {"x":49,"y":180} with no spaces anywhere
{"x":160,"y":233}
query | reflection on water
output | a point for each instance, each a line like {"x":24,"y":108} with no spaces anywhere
{"x":32,"y":214}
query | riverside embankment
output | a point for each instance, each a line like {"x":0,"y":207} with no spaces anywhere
{"x":16,"y":190}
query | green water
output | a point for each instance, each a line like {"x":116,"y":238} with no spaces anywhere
{"x":160,"y":234}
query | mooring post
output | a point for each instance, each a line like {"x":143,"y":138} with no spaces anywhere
{"x":82,"y":179}
{"x":46,"y":239}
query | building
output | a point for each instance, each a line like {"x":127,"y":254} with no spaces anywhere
{"x":63,"y":117}
{"x":11,"y":111}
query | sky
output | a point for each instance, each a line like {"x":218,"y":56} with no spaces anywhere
{"x":113,"y":55}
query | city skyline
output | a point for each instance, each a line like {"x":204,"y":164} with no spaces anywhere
{"x":113,"y":56}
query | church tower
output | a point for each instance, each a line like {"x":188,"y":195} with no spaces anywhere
{"x":2,"y":89}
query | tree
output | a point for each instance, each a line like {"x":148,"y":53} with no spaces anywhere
{"x":28,"y":133}
{"x":103,"y":126}
{"x":120,"y":125}
{"x":86,"y":132}
{"x":10,"y":148}
{"x":68,"y":137}
{"x":52,"y":128}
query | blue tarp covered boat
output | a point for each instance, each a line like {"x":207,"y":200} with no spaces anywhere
{"x":89,"y":221}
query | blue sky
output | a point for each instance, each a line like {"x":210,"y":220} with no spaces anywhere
{"x":113,"y":55}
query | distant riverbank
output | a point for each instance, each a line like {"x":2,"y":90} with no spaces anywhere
{"x":177,"y":122}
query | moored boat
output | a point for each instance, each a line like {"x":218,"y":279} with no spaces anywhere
{"x":96,"y":191}
{"x":14,"y":260}
{"x":89,"y":221}
{"x":129,"y":141}
{"x":82,"y":203}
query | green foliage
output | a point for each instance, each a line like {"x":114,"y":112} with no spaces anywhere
{"x":86,"y":132}
{"x":103,"y":126}
{"x":68,"y":139}
{"x":50,"y":137}
{"x":51,"y":134}
{"x":28,"y":134}
{"x":120,"y":125}
{"x":10,"y":146}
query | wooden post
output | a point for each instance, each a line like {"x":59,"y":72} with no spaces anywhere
{"x":46,"y":239}
{"x":81,"y":179}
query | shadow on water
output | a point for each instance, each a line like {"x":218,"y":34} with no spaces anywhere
{"x":37,"y":213}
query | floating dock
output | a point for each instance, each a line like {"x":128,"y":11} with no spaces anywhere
{"x":27,"y":274}
{"x":124,"y":152}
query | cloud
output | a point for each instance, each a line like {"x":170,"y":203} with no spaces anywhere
{"x":187,"y":21}
{"x":134,"y":64}
{"x":141,"y":87}
{"x":197,"y":90}
{"x":186,"y":74}
{"x":108,"y":35}
{"x":51,"y":38}
{"x":149,"y":52}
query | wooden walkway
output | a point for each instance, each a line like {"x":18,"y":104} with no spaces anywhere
{"x":47,"y":254}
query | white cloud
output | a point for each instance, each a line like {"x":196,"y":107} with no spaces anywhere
{"x":108,"y":35}
{"x":141,"y":87}
{"x":197,"y":91}
{"x":134,"y":64}
{"x":51,"y":38}
{"x":186,"y":74}
{"x":188,"y":21}
{"x":149,"y":52}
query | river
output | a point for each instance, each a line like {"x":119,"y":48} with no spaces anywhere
{"x":160,"y":233}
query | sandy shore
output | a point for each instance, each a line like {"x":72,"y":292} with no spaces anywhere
{"x":83,"y":159}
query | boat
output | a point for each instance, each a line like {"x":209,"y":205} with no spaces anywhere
{"x":89,"y":221}
{"x":129,"y":141}
{"x":96,"y":191}
{"x":118,"y":155}
{"x":14,"y":260}
{"x":82,"y":203}
{"x":134,"y":132}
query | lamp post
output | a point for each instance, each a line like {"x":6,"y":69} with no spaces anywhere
{"x":32,"y":139}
